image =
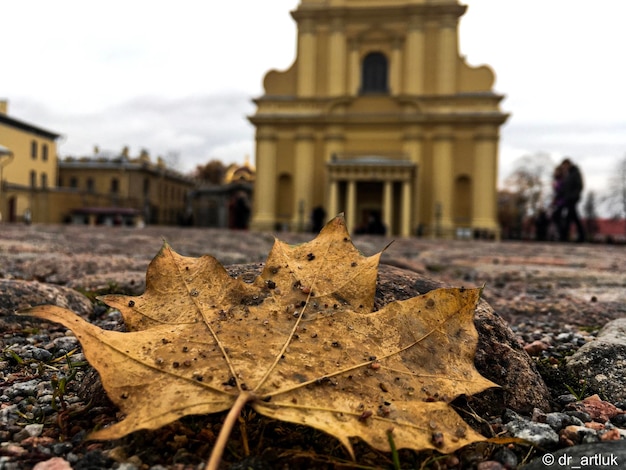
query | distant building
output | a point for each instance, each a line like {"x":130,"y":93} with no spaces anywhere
{"x":379,"y":116}
{"x":225,"y":205}
{"x":28,"y":168}
{"x":155,"y":193}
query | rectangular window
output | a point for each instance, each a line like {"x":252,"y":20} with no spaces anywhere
{"x":44,"y":152}
{"x":33,"y":150}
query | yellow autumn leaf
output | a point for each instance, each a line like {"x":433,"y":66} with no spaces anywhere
{"x":299,"y":344}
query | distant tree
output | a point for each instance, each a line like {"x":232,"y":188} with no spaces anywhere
{"x":531,"y":182}
{"x":172,"y":159}
{"x":211,"y":172}
{"x":616,"y":196}
{"x":590,"y":215}
{"x":511,"y":209}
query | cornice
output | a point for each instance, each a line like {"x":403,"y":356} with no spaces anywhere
{"x":475,"y":118}
{"x":324,"y":12}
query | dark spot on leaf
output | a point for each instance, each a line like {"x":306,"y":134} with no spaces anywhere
{"x":175,"y":364}
{"x":231,"y":382}
{"x":124,"y":396}
{"x":198,"y":378}
{"x":270,"y":284}
{"x":383,"y":387}
{"x":353,"y":264}
{"x":274,"y":269}
{"x":187,"y":363}
{"x":430,"y":303}
{"x":131,"y":303}
{"x":437,"y":439}
{"x":297,"y":284}
{"x":244,"y":386}
{"x":165,"y":340}
{"x":185,"y":349}
{"x":366,"y":414}
{"x":335,"y":344}
{"x":310,"y":256}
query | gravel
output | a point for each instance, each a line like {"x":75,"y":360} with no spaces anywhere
{"x":554,"y":296}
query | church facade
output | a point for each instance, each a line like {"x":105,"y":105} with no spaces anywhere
{"x":379,"y":117}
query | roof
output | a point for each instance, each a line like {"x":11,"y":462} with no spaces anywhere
{"x":122,"y":163}
{"x":24,"y":126}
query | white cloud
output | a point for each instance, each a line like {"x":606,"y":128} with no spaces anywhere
{"x":179,"y":77}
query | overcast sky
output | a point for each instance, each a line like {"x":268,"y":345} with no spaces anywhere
{"x":177,"y":78}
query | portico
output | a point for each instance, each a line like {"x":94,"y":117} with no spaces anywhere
{"x":371,"y":184}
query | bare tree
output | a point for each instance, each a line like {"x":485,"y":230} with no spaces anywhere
{"x":616,"y":195}
{"x":531,"y":182}
{"x":590,"y":214}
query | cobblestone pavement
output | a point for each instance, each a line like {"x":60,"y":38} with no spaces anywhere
{"x":581,"y":284}
{"x":551,"y":294}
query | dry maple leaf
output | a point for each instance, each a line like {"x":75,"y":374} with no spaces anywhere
{"x":299,"y":344}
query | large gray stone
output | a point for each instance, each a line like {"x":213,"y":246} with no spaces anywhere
{"x":18,"y":294}
{"x":499,"y":356}
{"x":602,"y":362}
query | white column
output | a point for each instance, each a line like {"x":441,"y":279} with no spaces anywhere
{"x":414,"y":61}
{"x":265,"y":184}
{"x":405,"y":222}
{"x":306,"y":58}
{"x":442,"y":189}
{"x":447,"y":57}
{"x":484,"y":210}
{"x":351,"y":206}
{"x":337,"y":63}
{"x":333,"y":203}
{"x":304,"y":177}
{"x":412,"y":147}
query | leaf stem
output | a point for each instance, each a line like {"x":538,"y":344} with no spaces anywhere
{"x":227,"y":427}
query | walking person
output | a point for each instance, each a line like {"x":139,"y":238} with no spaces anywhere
{"x":557,"y":206}
{"x":572,"y":186}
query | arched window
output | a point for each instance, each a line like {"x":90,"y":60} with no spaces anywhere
{"x":115,"y":185}
{"x":374,"y":73}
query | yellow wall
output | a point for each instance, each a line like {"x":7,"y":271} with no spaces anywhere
{"x":23,"y":164}
{"x":140,"y":185}
{"x":34,"y":163}
{"x":437,"y":113}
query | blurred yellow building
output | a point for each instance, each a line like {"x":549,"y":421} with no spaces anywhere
{"x":28,"y":167}
{"x":379,"y":116}
{"x":36,"y":186}
{"x":148,"y":191}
